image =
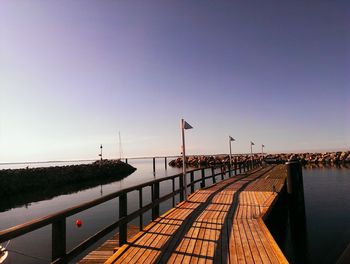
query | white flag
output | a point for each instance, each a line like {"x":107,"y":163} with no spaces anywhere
{"x":187,"y":125}
{"x":231,"y":138}
{"x":252,"y":143}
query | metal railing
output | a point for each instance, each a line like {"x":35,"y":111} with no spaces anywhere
{"x":58,"y":220}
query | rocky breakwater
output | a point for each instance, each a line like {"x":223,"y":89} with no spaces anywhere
{"x":29,"y":180}
{"x":215,"y":160}
{"x":339,"y":157}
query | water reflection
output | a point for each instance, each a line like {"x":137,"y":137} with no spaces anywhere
{"x":327,"y":166}
{"x":25,"y":199}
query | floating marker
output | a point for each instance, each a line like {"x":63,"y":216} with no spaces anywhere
{"x":78,"y":223}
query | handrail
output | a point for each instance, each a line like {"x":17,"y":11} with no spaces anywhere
{"x":58,"y":220}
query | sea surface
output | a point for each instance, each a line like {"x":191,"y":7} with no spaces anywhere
{"x":326,"y":222}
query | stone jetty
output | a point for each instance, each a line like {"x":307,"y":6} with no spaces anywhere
{"x":339,"y":157}
{"x":19,"y":181}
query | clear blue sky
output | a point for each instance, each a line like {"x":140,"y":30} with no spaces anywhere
{"x":74,"y":73}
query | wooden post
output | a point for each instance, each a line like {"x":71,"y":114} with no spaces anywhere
{"x":154,"y":165}
{"x":203,"y":180}
{"x":140,"y":205}
{"x":59,"y":239}
{"x":123,"y":211}
{"x":222,"y":172}
{"x":173,"y":183}
{"x":235,"y":166}
{"x":155,"y":196}
{"x":295,"y":186}
{"x":166,"y":163}
{"x":192,"y":180}
{"x":213,"y":174}
{"x":240,"y":167}
{"x":126,"y":161}
{"x":181,"y":186}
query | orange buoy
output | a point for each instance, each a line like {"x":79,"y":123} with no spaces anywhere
{"x":78,"y":223}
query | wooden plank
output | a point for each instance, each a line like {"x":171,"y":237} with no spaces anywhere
{"x":251,"y":242}
{"x":262,"y":252}
{"x":281,"y":258}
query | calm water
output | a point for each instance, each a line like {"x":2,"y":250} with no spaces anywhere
{"x":323,"y":234}
{"x":327,"y":203}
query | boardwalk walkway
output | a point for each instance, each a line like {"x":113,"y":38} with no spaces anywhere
{"x":219,"y":224}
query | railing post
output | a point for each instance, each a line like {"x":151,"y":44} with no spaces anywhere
{"x":59,"y":239}
{"x":173,"y":183}
{"x":181,"y":187}
{"x":229,"y":170}
{"x":240,"y":167}
{"x":155,"y":196}
{"x":192,"y":180}
{"x":213,"y":174}
{"x":126,"y":161}
{"x":154,"y":165}
{"x":166,"y":163}
{"x":235,"y":167}
{"x":141,"y":204}
{"x":203,"y":180}
{"x":123,"y":211}
{"x":222,"y":172}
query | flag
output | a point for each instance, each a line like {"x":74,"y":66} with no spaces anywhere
{"x":187,"y":125}
{"x":252,"y":143}
{"x":231,"y":138}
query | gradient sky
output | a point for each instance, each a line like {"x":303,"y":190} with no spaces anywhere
{"x":74,"y":73}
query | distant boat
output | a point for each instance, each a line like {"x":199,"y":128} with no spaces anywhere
{"x":3,"y":254}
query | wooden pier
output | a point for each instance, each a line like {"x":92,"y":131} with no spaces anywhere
{"x":222,"y":223}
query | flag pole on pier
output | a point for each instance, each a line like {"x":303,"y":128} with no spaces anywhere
{"x":184,"y":125}
{"x":229,"y":141}
{"x":262,"y":149}
{"x":251,"y":150}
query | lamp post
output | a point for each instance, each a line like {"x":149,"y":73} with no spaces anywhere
{"x":100,"y":152}
{"x":184,"y":125}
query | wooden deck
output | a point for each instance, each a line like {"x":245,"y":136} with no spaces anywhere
{"x":219,"y":224}
{"x":106,"y":250}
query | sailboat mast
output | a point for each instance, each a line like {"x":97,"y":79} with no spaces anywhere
{"x":120,"y":147}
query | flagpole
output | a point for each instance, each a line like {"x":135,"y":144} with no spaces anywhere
{"x":251,"y":152}
{"x":183,"y":157}
{"x":229,"y":140}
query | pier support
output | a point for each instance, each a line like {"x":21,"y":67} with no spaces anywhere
{"x":295,"y":186}
{"x":297,"y":215}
